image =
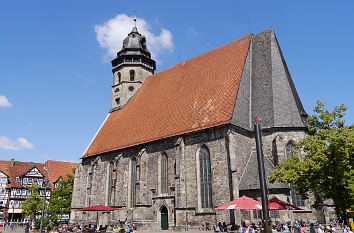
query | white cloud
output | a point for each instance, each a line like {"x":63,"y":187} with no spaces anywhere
{"x":16,"y":144}
{"x":111,"y":34}
{"x":4,"y":102}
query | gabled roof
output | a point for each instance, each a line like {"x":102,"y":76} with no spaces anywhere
{"x":267,"y":90}
{"x":56,"y":169}
{"x":59,"y":169}
{"x":197,"y":94}
{"x":5,"y":167}
{"x":18,"y":169}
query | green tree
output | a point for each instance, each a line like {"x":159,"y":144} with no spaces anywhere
{"x":327,"y":168}
{"x":33,"y":204}
{"x":60,"y":200}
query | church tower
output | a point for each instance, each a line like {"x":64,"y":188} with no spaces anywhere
{"x":130,"y":69}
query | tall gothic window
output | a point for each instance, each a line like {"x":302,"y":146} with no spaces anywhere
{"x":112,"y":182}
{"x":164,"y":173}
{"x":289,"y":149}
{"x":119,"y":77}
{"x":275,"y":152}
{"x":205,"y":178}
{"x":132,"y":183}
{"x":132,"y":75}
{"x":295,"y":198}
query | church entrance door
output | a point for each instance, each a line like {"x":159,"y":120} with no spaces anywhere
{"x":164,"y":218}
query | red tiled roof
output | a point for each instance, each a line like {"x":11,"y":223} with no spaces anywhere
{"x":5,"y":167}
{"x":59,"y":169}
{"x":19,"y":169}
{"x":197,"y":94}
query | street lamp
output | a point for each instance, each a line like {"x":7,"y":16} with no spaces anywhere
{"x":44,"y":198}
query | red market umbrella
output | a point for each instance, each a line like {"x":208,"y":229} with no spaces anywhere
{"x":98,"y":208}
{"x":242,"y":203}
{"x":276,"y":204}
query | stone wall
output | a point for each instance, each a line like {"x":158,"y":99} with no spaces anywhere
{"x":229,"y":147}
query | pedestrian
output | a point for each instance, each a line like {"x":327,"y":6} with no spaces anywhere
{"x":312,"y":228}
{"x":218,"y":227}
{"x":348,"y":230}
{"x":27,"y":228}
{"x":109,"y":229}
{"x":297,"y":226}
{"x":302,"y":228}
{"x":341,"y":221}
{"x":246,"y":228}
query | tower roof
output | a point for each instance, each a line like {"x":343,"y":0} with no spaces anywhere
{"x":134,"y":44}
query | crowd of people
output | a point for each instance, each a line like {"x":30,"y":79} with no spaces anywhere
{"x":296,"y":227}
{"x":94,"y":228}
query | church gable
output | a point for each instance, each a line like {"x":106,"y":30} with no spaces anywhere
{"x":266,"y":89}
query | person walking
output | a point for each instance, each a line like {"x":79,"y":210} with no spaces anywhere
{"x":247,"y":228}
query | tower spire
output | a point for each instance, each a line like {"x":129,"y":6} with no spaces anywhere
{"x":134,"y":18}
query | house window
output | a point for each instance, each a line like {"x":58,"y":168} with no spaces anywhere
{"x":24,"y":180}
{"x":18,"y":191}
{"x":23,"y":192}
{"x":132,"y":183}
{"x":164,"y":173}
{"x":40,"y":182}
{"x":30,"y":180}
{"x":17,"y":179}
{"x":205,"y":178}
{"x":132,"y":75}
{"x":35,"y":180}
{"x":3,"y":180}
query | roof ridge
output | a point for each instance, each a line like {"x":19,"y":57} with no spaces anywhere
{"x":202,"y":54}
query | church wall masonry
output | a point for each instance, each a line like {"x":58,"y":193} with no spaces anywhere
{"x":230,"y":149}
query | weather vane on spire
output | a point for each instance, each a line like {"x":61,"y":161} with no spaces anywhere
{"x":134,"y":18}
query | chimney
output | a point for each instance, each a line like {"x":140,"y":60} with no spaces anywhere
{"x":12,"y":163}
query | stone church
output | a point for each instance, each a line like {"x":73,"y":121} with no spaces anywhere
{"x":179,"y":143}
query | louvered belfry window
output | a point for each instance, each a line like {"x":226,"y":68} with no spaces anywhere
{"x":164,"y":173}
{"x":132,"y":183}
{"x":205,"y":178}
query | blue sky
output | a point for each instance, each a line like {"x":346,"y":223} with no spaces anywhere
{"x":55,"y":74}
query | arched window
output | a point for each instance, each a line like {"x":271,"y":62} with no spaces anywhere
{"x":112,"y":182}
{"x":205,"y":178}
{"x":164,"y":173}
{"x":131,"y":89}
{"x":289,"y":149}
{"x":295,"y":198}
{"x":132,"y":182}
{"x":132,"y":75}
{"x":275,"y":152}
{"x":119,"y":77}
